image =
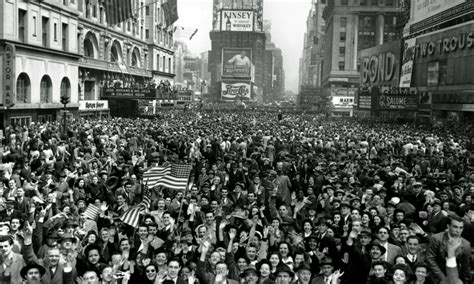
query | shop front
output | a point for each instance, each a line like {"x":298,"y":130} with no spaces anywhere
{"x":94,"y":109}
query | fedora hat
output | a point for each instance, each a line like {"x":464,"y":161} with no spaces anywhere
{"x":27,"y":268}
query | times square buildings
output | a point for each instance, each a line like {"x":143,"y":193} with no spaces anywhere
{"x":51,"y":48}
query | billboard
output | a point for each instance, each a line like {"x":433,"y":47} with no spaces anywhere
{"x":380,"y":65}
{"x":237,"y":20}
{"x":407,"y":62}
{"x":235,"y":90}
{"x":237,"y":62}
{"x":423,"y":9}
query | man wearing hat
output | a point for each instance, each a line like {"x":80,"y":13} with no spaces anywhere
{"x":10,"y":211}
{"x":250,"y":275}
{"x":376,"y":250}
{"x":327,"y":268}
{"x":284,"y":274}
{"x":32,"y":273}
{"x":304,"y":274}
{"x":437,"y":221}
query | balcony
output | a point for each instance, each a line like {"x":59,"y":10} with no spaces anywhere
{"x":103,"y":65}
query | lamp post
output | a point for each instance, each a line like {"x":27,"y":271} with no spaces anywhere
{"x":203,"y":84}
{"x":65,"y":101}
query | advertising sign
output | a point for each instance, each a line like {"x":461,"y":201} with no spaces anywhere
{"x":93,"y":105}
{"x":423,"y":9}
{"x":9,"y":76}
{"x":380,"y":65}
{"x":407,"y":62}
{"x":397,"y":102}
{"x":344,"y":102}
{"x":235,"y":90}
{"x":237,"y":62}
{"x":129,"y":93}
{"x":237,"y":20}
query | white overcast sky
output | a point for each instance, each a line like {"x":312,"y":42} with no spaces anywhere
{"x":288,"y":19}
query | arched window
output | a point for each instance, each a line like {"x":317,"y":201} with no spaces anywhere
{"x":88,"y":48}
{"x":136,"y":58}
{"x":46,"y":89}
{"x":91,"y":46}
{"x":23,"y":88}
{"x":116,"y":53}
{"x":65,"y":87}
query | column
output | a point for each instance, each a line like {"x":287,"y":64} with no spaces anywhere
{"x":355,"y":36}
{"x":379,"y":30}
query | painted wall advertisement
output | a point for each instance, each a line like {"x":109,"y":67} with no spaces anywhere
{"x":235,"y":90}
{"x":380,"y":65}
{"x":237,"y":20}
{"x":236,"y":62}
{"x":423,"y":9}
{"x":8,"y":67}
{"x":407,"y":63}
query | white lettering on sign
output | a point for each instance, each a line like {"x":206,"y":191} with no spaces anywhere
{"x":379,"y":68}
{"x":9,"y":96}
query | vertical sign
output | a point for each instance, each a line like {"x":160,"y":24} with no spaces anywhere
{"x":9,"y":76}
{"x":407,"y":63}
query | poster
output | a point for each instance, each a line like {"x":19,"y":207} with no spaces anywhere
{"x":407,"y":62}
{"x":237,"y":62}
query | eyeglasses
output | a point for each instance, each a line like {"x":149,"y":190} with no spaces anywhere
{"x":151,"y":271}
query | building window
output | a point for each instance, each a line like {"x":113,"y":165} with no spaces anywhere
{"x":94,"y":11}
{"x":20,"y":120}
{"x":44,"y":118}
{"x":342,"y":66}
{"x":21,"y":25}
{"x":88,"y":11}
{"x":45,"y":89}
{"x":157,"y":62}
{"x":145,"y":60}
{"x":35,"y":26}
{"x":164,"y":64}
{"x":147,"y":10}
{"x":342,"y":51}
{"x":65,"y":35}
{"x":342,"y":36}
{"x":363,"y":2}
{"x":141,"y":10}
{"x":23,"y":88}
{"x":147,"y":33}
{"x":169,"y":65}
{"x":55,"y":32}
{"x":344,"y":2}
{"x":343,"y":22}
{"x":128,"y":26}
{"x":44,"y":27}
{"x":65,"y":87}
{"x":141,"y":32}
{"x":101,"y":15}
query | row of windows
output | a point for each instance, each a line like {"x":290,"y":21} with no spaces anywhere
{"x":23,"y":89}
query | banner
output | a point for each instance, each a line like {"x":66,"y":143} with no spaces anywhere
{"x":9,"y":77}
{"x":170,"y":9}
{"x":237,"y":62}
{"x":407,"y":63}
{"x":237,"y":20}
{"x":235,"y":90}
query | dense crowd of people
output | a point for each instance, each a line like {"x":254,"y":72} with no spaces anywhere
{"x":287,"y":198}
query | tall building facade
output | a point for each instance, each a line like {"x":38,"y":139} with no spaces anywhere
{"x":274,"y":75}
{"x":311,"y":61}
{"x":351,"y":26}
{"x":438,"y":57}
{"x":236,"y":59}
{"x":66,"y":47}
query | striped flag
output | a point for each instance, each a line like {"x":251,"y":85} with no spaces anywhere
{"x":173,"y":176}
{"x":92,"y":212}
{"x":118,"y":11}
{"x":132,"y":215}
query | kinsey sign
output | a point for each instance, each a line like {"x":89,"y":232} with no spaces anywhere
{"x":94,"y":105}
{"x":237,"y":20}
{"x":235,"y":90}
{"x":380,"y":65}
{"x":9,"y":88}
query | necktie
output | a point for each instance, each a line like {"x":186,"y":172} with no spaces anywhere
{"x":327,"y":280}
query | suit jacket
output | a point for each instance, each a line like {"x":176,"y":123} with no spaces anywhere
{"x":17,"y":264}
{"x":437,"y":253}
{"x":23,"y":206}
{"x":437,"y":223}
{"x":59,"y":276}
{"x":420,"y":258}
{"x":392,"y":252}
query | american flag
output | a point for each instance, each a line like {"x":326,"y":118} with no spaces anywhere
{"x":170,"y":9}
{"x":173,"y":176}
{"x":92,"y":212}
{"x":132,"y":215}
{"x":118,"y":11}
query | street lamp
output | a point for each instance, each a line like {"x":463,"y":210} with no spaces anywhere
{"x":203,"y":84}
{"x":65,"y":101}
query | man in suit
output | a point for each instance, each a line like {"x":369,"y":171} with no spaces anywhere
{"x":32,"y":273}
{"x":173,"y":271}
{"x":57,"y":272}
{"x":11,"y":263}
{"x":414,"y":254}
{"x":327,"y":268}
{"x":437,"y":252}
{"x":437,"y":220}
{"x":391,"y":250}
{"x":22,"y":202}
{"x":10,"y":211}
